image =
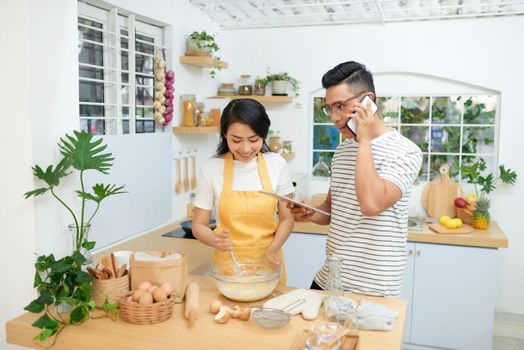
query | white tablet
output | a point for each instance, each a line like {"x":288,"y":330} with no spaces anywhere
{"x":297,"y":203}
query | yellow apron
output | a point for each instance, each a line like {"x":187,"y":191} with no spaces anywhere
{"x":249,"y":216}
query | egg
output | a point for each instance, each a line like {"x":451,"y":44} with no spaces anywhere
{"x":151,"y":289}
{"x":166,"y":287}
{"x":145,"y":298}
{"x":130,"y":299}
{"x":137,"y":293}
{"x":159,"y":295}
{"x":215,"y":305}
{"x":144,"y":285}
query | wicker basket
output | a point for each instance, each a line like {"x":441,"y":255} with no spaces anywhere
{"x":146,"y":314}
{"x":113,"y":289}
{"x":465,"y":215}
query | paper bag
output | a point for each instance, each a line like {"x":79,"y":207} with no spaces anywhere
{"x":160,"y":267}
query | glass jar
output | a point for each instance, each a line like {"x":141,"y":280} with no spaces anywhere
{"x":188,"y":104}
{"x":260,"y":87}
{"x":334,"y":288}
{"x":287,"y":147}
{"x":321,"y":168}
{"x":79,"y":234}
{"x":274,"y":144}
{"x":245,"y":88}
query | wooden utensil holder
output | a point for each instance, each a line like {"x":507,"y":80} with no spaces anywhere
{"x":113,"y":289}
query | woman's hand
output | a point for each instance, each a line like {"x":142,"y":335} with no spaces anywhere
{"x":223,"y":241}
{"x":272,"y":257}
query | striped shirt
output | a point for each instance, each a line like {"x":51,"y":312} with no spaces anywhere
{"x":373,"y":249}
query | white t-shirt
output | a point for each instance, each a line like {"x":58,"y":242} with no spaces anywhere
{"x":373,"y":248}
{"x":245,"y":178}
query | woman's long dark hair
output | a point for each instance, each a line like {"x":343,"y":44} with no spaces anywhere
{"x":246,"y":111}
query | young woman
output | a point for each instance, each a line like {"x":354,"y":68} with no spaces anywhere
{"x":229,"y":183}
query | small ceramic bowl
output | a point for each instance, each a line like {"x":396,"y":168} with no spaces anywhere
{"x":271,"y":318}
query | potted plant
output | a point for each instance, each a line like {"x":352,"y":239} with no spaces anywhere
{"x":476,"y":205}
{"x":203,"y":44}
{"x":279,"y":83}
{"x":62,"y":284}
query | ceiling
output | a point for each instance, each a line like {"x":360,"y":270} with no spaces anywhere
{"x":243,"y":14}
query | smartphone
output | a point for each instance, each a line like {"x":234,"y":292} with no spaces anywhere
{"x":352,"y":125}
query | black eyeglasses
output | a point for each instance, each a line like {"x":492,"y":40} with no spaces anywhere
{"x":339,"y":106}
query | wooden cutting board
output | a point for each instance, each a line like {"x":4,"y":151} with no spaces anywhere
{"x":439,"y":193}
{"x":439,"y":228}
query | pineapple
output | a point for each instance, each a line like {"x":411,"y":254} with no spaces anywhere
{"x":481,"y":214}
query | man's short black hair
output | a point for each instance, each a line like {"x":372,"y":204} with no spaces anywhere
{"x":352,"y":73}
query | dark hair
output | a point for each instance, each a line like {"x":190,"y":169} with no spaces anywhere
{"x":352,"y":74}
{"x":246,"y":111}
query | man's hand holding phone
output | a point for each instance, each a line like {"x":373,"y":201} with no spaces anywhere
{"x":361,"y":116}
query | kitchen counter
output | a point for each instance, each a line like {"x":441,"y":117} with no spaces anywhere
{"x":175,"y":333}
{"x":493,"y":237}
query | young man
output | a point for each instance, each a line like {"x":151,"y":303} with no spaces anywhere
{"x":372,"y":175}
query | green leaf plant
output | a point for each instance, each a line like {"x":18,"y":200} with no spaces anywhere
{"x":207,"y":41}
{"x":472,"y":174}
{"x":63,"y":282}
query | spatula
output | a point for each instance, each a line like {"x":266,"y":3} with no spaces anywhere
{"x":193,"y":179}
{"x":178,"y":187}
{"x":186,"y":178}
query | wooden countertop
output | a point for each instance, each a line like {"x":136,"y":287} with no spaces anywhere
{"x":494,"y":237}
{"x":175,"y":333}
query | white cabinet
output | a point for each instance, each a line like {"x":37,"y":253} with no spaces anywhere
{"x":451,"y":296}
{"x":304,"y":254}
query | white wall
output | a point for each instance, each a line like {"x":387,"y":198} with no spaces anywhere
{"x":484,"y":52}
{"x":17,"y":239}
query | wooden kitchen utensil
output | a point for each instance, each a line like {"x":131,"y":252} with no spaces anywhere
{"x":178,"y":187}
{"x":439,"y":194}
{"x":439,"y":228}
{"x":186,"y":178}
{"x":193,"y":179}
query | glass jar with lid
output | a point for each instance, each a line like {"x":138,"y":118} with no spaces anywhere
{"x":188,"y":106}
{"x":260,"y":87}
{"x":245,"y":88}
{"x":287,"y":147}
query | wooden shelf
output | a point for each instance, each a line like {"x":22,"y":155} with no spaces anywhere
{"x":276,"y":99}
{"x":195,"y":129}
{"x":202,"y":61}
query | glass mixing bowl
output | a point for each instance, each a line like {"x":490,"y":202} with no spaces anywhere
{"x":255,"y":281}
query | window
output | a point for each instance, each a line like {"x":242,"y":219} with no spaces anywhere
{"x":116,"y":78}
{"x":452,"y":129}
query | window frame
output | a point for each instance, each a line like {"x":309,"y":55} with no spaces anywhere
{"x":113,"y":22}
{"x":427,"y":154}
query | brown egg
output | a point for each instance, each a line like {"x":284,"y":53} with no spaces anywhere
{"x":137,"y":293}
{"x":215,"y":305}
{"x":166,"y":286}
{"x":159,"y":295}
{"x":151,"y":289}
{"x":145,"y":298}
{"x":144,"y":285}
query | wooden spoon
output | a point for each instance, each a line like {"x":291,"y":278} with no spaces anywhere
{"x":193,"y":179}
{"x":186,"y":178}
{"x":178,"y":187}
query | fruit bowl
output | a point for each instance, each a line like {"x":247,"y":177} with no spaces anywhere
{"x":255,"y":281}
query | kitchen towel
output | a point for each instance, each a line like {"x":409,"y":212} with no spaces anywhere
{"x":373,"y":316}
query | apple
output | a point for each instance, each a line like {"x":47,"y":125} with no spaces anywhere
{"x":460,"y":202}
{"x":471,"y":198}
